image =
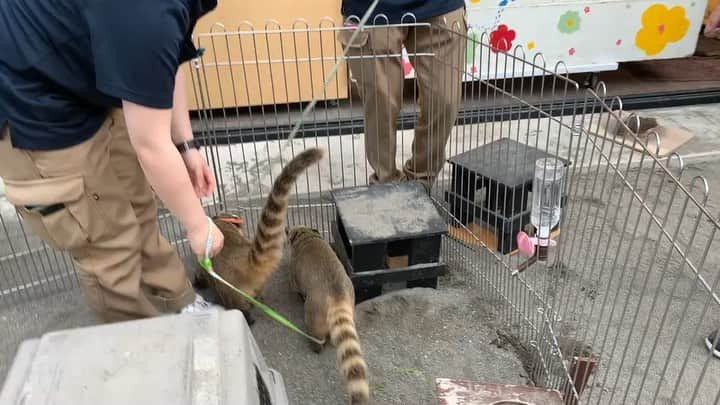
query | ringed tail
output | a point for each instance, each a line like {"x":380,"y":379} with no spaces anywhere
{"x":343,"y":336}
{"x":269,"y":236}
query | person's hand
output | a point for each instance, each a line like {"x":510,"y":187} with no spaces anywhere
{"x":198,"y":239}
{"x":200,"y":173}
{"x":712,"y":28}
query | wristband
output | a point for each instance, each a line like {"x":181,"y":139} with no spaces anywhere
{"x":185,"y":146}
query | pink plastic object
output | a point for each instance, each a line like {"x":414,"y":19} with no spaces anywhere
{"x":526,"y":244}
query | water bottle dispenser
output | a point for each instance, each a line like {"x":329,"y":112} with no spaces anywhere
{"x":546,"y":194}
{"x":545,"y":211}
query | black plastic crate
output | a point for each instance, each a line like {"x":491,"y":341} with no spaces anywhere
{"x":377,"y":223}
{"x":502,"y":172}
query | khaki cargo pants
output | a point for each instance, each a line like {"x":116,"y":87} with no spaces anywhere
{"x":107,"y":220}
{"x":380,"y":83}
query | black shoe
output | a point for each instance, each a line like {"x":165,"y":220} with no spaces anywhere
{"x":713,"y":339}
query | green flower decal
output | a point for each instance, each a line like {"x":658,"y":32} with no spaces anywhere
{"x":471,"y":46}
{"x":569,"y":22}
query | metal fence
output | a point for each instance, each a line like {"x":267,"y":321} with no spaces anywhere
{"x":631,"y":286}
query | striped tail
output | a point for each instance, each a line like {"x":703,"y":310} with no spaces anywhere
{"x":267,"y":246}
{"x":349,"y":354}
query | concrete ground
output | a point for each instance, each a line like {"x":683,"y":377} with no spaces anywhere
{"x":628,"y":289}
{"x":625,"y":298}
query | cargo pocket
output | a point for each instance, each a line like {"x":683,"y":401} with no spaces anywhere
{"x":358,"y":53}
{"x":56,"y":209}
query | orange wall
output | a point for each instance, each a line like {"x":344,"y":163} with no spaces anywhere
{"x":241,"y":69}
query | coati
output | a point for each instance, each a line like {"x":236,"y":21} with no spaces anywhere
{"x":319,"y":277}
{"x":247,"y":263}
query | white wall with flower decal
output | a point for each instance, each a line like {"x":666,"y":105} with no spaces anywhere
{"x":592,"y":35}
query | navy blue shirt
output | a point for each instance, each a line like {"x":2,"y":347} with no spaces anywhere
{"x":395,"y":9}
{"x":65,"y":63}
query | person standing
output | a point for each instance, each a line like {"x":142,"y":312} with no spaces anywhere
{"x":92,"y":102}
{"x":376,"y":67}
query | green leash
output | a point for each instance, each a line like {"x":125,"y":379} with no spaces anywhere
{"x":206,"y":264}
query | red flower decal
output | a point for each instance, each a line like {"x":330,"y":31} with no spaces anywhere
{"x":501,"y":39}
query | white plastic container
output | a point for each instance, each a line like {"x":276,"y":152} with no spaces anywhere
{"x":198,"y":359}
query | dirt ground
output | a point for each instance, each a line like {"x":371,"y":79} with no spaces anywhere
{"x":410,"y":337}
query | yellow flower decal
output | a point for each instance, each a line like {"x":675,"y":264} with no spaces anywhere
{"x":530,"y":45}
{"x":661,"y":26}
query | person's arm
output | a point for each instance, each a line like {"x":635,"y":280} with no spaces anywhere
{"x":150,"y":135}
{"x":181,"y":130}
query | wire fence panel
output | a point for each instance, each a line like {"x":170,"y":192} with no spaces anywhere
{"x":630,"y":287}
{"x":28,"y":266}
